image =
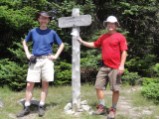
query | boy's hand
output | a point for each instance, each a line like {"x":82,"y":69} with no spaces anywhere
{"x":29,"y":56}
{"x":80,"y":39}
{"x":121,"y":69}
{"x":52,"y":57}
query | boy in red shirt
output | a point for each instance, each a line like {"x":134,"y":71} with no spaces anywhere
{"x":114,"y":52}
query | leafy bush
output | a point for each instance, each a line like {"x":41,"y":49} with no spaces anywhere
{"x":12,"y":74}
{"x":151,"y":91}
{"x":156,"y":69}
{"x":144,"y":66}
{"x":130,"y":77}
{"x":146,"y":81}
{"x":62,"y":73}
{"x":141,"y":25}
{"x":14,"y":70}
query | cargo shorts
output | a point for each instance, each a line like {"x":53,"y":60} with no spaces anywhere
{"x":108,"y":75}
{"x":43,"y":70}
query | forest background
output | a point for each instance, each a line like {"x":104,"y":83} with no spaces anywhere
{"x":139,"y":22}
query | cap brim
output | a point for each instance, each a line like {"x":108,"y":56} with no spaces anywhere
{"x":44,"y":15}
{"x":105,"y":23}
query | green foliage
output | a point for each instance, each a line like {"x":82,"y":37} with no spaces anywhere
{"x":12,"y":74}
{"x":16,"y":19}
{"x":146,"y":81}
{"x":139,"y":20}
{"x":131,"y":78}
{"x":90,"y":58}
{"x":156,"y":69}
{"x":151,"y":91}
{"x":90,"y":62}
{"x":62,"y":73}
{"x":144,"y":66}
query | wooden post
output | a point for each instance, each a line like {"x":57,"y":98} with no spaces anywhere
{"x":75,"y":21}
{"x":76,"y":79}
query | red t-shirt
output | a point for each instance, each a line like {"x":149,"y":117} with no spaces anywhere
{"x":112,"y":45}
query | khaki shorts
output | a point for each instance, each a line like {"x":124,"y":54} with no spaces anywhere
{"x":105,"y":75}
{"x":43,"y":70}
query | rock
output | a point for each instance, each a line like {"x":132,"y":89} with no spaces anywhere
{"x":1,"y":104}
{"x":91,"y":112}
{"x":77,"y":114}
{"x":33,"y":101}
{"x":85,"y":107}
{"x":146,"y":112}
{"x":68,"y":109}
{"x":71,"y":112}
{"x":68,"y":106}
{"x":84,"y":102}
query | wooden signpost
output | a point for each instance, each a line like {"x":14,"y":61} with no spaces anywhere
{"x":75,"y":22}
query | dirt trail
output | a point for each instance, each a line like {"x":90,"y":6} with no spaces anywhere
{"x":126,"y":109}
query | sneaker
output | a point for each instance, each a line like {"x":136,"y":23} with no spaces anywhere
{"x":24,"y":112}
{"x":111,"y":114}
{"x":41,"y":111}
{"x":101,"y":110}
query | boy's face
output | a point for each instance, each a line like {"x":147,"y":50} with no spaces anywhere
{"x":111,"y":26}
{"x":43,"y":20}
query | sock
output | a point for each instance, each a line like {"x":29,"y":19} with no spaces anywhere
{"x":102,"y":102}
{"x":27,"y":103}
{"x":41,"y":103}
{"x":114,"y":106}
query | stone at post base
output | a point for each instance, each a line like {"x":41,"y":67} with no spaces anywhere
{"x":84,"y":107}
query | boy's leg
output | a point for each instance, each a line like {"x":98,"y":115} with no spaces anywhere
{"x":115,"y":83}
{"x":44,"y":92}
{"x":28,"y":96}
{"x":47,"y":76}
{"x":33,"y":76}
{"x":100,"y":84}
{"x":29,"y":93}
{"x":112,"y":110}
{"x":100,"y":96}
{"x":115,"y":98}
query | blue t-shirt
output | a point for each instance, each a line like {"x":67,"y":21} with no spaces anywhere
{"x":42,"y":41}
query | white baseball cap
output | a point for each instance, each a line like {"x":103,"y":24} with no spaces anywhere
{"x":111,"y":19}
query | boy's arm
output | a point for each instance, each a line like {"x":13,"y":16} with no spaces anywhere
{"x":122,"y":63}
{"x":60,"y":49}
{"x":25,"y":46}
{"x":87,"y":44}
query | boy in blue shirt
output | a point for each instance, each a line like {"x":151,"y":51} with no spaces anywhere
{"x":42,"y":57}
